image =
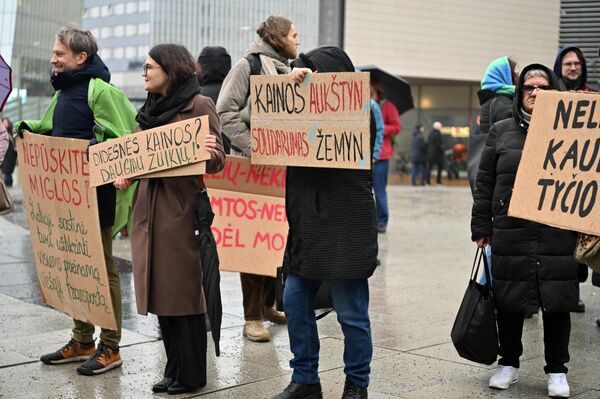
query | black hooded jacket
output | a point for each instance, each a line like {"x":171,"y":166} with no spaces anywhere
{"x":215,"y":63}
{"x":533,"y":264}
{"x":494,"y":108}
{"x":73,"y":118}
{"x":566,"y":84}
{"x":331,"y":212}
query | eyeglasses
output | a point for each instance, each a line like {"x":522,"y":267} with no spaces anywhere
{"x":575,"y":64}
{"x":145,"y":68}
{"x":530,"y":89}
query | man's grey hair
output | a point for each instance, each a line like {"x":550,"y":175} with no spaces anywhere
{"x":77,"y":39}
{"x":532,"y":73}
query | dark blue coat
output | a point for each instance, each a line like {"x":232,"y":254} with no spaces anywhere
{"x":73,"y":118}
{"x":418,"y":147}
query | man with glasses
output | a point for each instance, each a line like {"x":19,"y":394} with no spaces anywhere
{"x":571,"y":69}
{"x":86,"y":106}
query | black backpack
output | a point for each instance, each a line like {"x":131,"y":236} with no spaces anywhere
{"x":255,"y":65}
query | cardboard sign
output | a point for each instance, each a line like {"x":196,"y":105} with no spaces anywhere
{"x":250,"y":225}
{"x":194,"y":169}
{"x":240,"y":175}
{"x":558,"y":177}
{"x":321,"y":122}
{"x":165,"y":147}
{"x":62,"y":212}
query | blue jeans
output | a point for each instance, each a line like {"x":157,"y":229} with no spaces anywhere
{"x":8,"y":179}
{"x":419,"y":169}
{"x":351,"y":303}
{"x":380,"y":178}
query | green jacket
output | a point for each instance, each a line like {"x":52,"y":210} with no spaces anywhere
{"x":114,"y":117}
{"x":114,"y":114}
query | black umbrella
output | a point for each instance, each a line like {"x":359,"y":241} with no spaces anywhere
{"x":396,"y":89}
{"x":211,"y":277}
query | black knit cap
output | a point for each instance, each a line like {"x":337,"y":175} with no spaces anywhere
{"x":325,"y":59}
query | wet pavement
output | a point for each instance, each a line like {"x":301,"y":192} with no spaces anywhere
{"x":426,"y":257}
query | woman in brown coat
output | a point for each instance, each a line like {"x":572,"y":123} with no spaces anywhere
{"x":166,"y":255}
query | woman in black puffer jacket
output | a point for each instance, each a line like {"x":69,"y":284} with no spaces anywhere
{"x":533,"y":263}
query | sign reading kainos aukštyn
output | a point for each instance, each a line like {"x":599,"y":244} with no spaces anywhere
{"x":321,"y":122}
{"x":152,"y":150}
{"x":558,"y":177}
{"x":62,"y":212}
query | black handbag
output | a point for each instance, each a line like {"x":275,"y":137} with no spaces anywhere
{"x":474,"y":333}
{"x":323,"y":301}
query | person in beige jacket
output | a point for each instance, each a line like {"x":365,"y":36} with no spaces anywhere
{"x":277,"y":42}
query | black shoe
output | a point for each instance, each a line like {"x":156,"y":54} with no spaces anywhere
{"x":598,"y":322}
{"x":381,"y":229}
{"x":177,"y":387}
{"x":580,"y":307}
{"x":297,"y":390}
{"x":163,"y":385}
{"x":351,"y":391}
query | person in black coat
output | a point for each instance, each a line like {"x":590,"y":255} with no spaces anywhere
{"x":333,"y":237}
{"x":215,"y":63}
{"x":418,"y":154}
{"x":533,"y":263}
{"x":435,"y":152}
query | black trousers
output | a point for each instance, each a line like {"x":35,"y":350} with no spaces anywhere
{"x":184,"y":338}
{"x":258,"y":292}
{"x":557,"y":331}
{"x":430,"y":167}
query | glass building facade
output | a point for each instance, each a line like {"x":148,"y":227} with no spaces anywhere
{"x":27,"y":32}
{"x":127,"y":29}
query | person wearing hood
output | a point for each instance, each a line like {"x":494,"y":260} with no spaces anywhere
{"x":215,"y":64}
{"x":333,"y":243}
{"x":418,"y":154}
{"x":571,"y":69}
{"x":533,"y":263}
{"x":86,"y":106}
{"x":496,"y":99}
{"x":277,"y":42}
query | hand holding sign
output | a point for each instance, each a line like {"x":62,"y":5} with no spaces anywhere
{"x":122,"y":184}
{"x":153,"y":150}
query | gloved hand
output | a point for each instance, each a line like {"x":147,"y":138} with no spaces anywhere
{"x":20,"y":127}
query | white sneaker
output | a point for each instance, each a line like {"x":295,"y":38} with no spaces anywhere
{"x":558,"y":387}
{"x":504,"y":377}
